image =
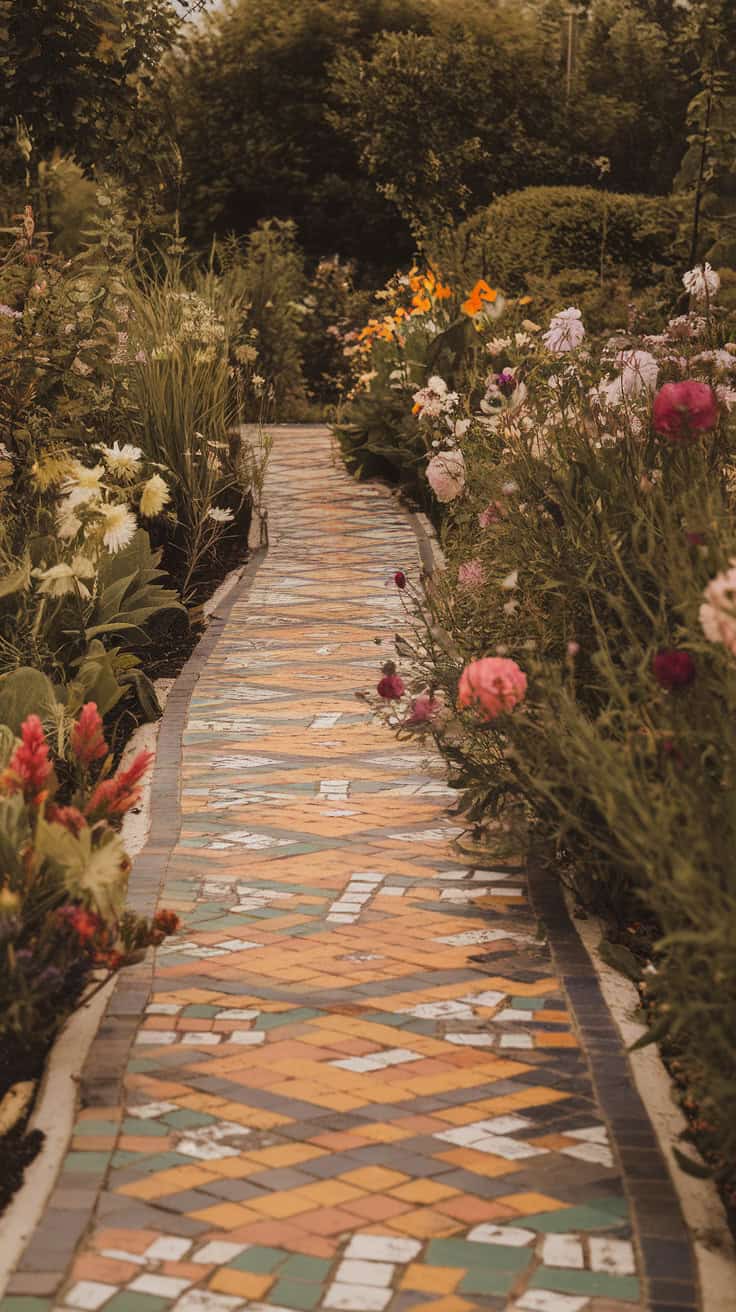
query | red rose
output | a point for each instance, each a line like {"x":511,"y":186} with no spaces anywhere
{"x":391,"y":687}
{"x":673,"y":669}
{"x":166,"y":921}
{"x":400,"y":578}
{"x":682,"y":410}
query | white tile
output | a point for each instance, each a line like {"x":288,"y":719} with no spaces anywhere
{"x":237,"y":1013}
{"x":149,"y":1111}
{"x":205,"y":1150}
{"x":156,"y":1038}
{"x":472,"y":936}
{"x":461,"y":894}
{"x":391,"y":890}
{"x":383,"y":1248}
{"x":368,"y":876}
{"x":504,"y":1124}
{"x":122,"y":1255}
{"x":339,"y":919}
{"x":510,"y":1149}
{"x":513,"y":1013}
{"x":201,"y":1039}
{"x":613,"y":1256}
{"x":591,"y":1152}
{"x":251,"y":1038}
{"x":471,"y":1040}
{"x":439,"y":1011}
{"x":486,"y":998}
{"x":543,"y":1300}
{"x":516,"y":1041}
{"x":162,"y":1286}
{"x":510,"y":1235}
{"x":593,"y":1134}
{"x":218,"y":1253}
{"x":357,"y":1298}
{"x":201,"y":1300}
{"x":89,"y":1294}
{"x":164,"y":1008}
{"x":563,"y":1250}
{"x":168,"y":1248}
{"x":355,"y":1272}
{"x":234,"y":944}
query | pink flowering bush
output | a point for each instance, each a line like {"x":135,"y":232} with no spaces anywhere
{"x":591,"y":558}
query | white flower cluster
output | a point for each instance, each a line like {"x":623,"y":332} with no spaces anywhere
{"x":435,"y":400}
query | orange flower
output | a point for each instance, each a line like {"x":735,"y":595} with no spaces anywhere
{"x":421,"y":303}
{"x":442,"y":292}
{"x":481,"y":295}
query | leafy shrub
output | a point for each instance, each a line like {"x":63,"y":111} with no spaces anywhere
{"x":542,"y":231}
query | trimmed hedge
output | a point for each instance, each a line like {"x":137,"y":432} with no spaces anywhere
{"x":541,"y":231}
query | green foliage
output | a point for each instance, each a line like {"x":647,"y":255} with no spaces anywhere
{"x":248,"y":98}
{"x":25,"y":692}
{"x":543,"y":231}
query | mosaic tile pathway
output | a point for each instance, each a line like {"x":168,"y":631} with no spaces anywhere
{"x":356,"y":1084}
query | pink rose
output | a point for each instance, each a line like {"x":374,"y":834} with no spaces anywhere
{"x":493,"y":684}
{"x":471,"y":575}
{"x":446,"y":475}
{"x":682,"y":410}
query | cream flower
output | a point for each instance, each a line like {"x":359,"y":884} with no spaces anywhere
{"x":220,"y":516}
{"x":154,"y":497}
{"x":446,"y":475}
{"x":702,"y":282}
{"x":565,"y":332}
{"x":68,"y":524}
{"x":119,"y":526}
{"x":60,"y":580}
{"x":122,"y":461}
{"x":83,"y":484}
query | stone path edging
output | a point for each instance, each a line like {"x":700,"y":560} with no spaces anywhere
{"x":89,"y":1058}
{"x":715,"y":1251}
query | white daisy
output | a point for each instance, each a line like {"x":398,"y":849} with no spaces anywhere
{"x":220,"y":516}
{"x":84,"y":484}
{"x":122,"y":461}
{"x":119,"y":526}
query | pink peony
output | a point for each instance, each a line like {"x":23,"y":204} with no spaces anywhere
{"x":682,"y":410}
{"x":471,"y":575}
{"x":446,"y":475}
{"x":493,"y":512}
{"x":493,"y":684}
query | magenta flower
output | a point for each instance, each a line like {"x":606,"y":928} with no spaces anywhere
{"x":682,"y":410}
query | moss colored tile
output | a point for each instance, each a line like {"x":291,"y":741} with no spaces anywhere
{"x":493,"y":1281}
{"x":586,"y":1282}
{"x":258,"y":1259}
{"x":313,"y":1270}
{"x":293,"y":1294}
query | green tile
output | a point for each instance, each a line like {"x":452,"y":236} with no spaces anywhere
{"x":142,"y":1129}
{"x":83,"y":1128}
{"x":186,"y":1120}
{"x":94,"y":1162}
{"x":457,"y":1252}
{"x":572,"y":1218}
{"x":21,"y":1303}
{"x":586,"y":1282}
{"x":129,"y":1301}
{"x":493,"y":1281}
{"x":139,"y":1065}
{"x":313,"y":1270}
{"x":200,"y":1012}
{"x":502,"y":1257}
{"x":279,"y":1018}
{"x":258,"y":1259}
{"x":527,"y":1004}
{"x":293,"y":1294}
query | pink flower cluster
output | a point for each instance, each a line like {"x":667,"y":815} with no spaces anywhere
{"x":718,"y":611}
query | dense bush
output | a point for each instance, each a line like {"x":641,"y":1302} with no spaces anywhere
{"x":575,"y":661}
{"x":540,"y":231}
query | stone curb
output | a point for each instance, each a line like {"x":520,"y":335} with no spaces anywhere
{"x":86,"y":1066}
{"x":715,"y":1250}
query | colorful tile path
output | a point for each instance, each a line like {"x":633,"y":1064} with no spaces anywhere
{"x":356,"y":1084}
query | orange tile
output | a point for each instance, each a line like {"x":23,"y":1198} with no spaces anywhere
{"x":328,"y":1221}
{"x":330,"y":1193}
{"x":423,"y":1191}
{"x":528,"y":1204}
{"x":168,"y":1182}
{"x":449,"y":1304}
{"x":281,"y":1205}
{"x":468,"y":1208}
{"x":243,"y":1283}
{"x":286,"y":1154}
{"x":225,"y":1216}
{"x":107,"y":1269}
{"x":431,"y":1279}
{"x":427,"y":1224}
{"x":378,"y":1207}
{"x":374,"y":1178}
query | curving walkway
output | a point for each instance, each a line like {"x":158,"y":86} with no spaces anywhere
{"x":355,"y":1081}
